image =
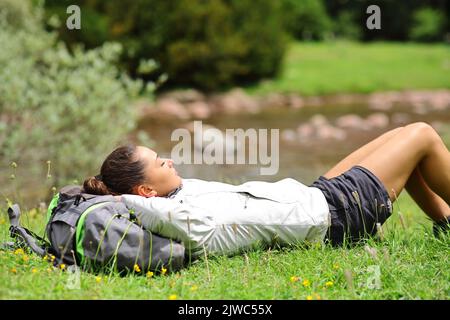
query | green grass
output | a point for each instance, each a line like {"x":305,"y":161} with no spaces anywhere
{"x":349,"y":67}
{"x":413,"y":265}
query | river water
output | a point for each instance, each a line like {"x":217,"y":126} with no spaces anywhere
{"x":301,"y":158}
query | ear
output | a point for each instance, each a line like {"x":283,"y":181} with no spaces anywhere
{"x":145,"y":191}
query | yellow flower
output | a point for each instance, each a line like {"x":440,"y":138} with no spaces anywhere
{"x":62,"y":266}
{"x":34,"y":270}
{"x":98,"y":279}
{"x":13,"y":270}
{"x":194,"y":288}
{"x":136,"y":268}
{"x":294,"y":279}
{"x":329,"y":284}
{"x":173,"y":297}
{"x":25,"y":258}
{"x":19,"y":251}
{"x":309,"y":298}
{"x":45,"y":258}
{"x":163,"y":271}
{"x":306,"y":283}
{"x":52,"y":258}
{"x":149,"y":274}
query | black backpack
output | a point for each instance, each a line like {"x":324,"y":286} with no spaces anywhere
{"x":98,"y":232}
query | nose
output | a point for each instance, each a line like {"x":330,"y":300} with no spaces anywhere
{"x":170,"y":162}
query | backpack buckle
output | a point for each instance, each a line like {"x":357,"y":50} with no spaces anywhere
{"x":78,"y":198}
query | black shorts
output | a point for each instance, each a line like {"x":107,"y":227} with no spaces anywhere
{"x":358,"y":201}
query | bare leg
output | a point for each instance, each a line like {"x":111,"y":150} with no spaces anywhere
{"x":433,"y":205}
{"x":416,"y":146}
{"x":360,"y":154}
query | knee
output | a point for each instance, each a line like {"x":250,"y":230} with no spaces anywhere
{"x":421,"y":127}
{"x":424,"y":132}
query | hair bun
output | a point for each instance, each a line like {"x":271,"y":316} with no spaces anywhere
{"x":93,"y":185}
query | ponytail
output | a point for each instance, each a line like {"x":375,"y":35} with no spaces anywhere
{"x":93,"y":185}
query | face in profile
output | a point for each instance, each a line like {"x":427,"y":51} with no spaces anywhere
{"x":160,"y":175}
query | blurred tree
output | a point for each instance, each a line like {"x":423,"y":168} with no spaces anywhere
{"x":306,"y":19}
{"x":218,"y":43}
{"x":19,"y":14}
{"x":206,"y":44}
{"x":94,"y":23}
{"x":345,"y":26}
{"x":67,"y":107}
{"x":396,"y":16}
{"x":428,"y":25}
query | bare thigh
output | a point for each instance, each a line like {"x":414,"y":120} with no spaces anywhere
{"x":394,"y":161}
{"x":361,"y":153}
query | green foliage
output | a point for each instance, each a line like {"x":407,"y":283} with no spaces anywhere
{"x":306,"y":19}
{"x":346,"y":26}
{"x":206,"y":44}
{"x":397,"y":17}
{"x":428,"y":25}
{"x":67,"y":107}
{"x":19,"y":14}
{"x":204,"y":50}
{"x":94,"y":30}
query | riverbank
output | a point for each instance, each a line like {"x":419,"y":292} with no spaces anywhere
{"x":195,"y":105}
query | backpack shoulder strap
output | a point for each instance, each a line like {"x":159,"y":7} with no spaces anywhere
{"x":14,"y":214}
{"x":23,"y":236}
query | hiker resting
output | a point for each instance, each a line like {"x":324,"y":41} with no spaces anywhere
{"x":346,"y":204}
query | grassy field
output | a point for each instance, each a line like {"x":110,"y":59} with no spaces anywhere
{"x":348,"y":67}
{"x":411,"y":264}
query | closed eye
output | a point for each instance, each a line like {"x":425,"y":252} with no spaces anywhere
{"x":162,"y":164}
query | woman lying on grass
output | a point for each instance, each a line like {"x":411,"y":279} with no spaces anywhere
{"x":347,"y":202}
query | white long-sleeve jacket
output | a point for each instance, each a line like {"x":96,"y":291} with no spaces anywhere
{"x":223,"y":218}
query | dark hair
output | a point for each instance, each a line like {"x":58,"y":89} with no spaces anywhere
{"x":120,"y":172}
